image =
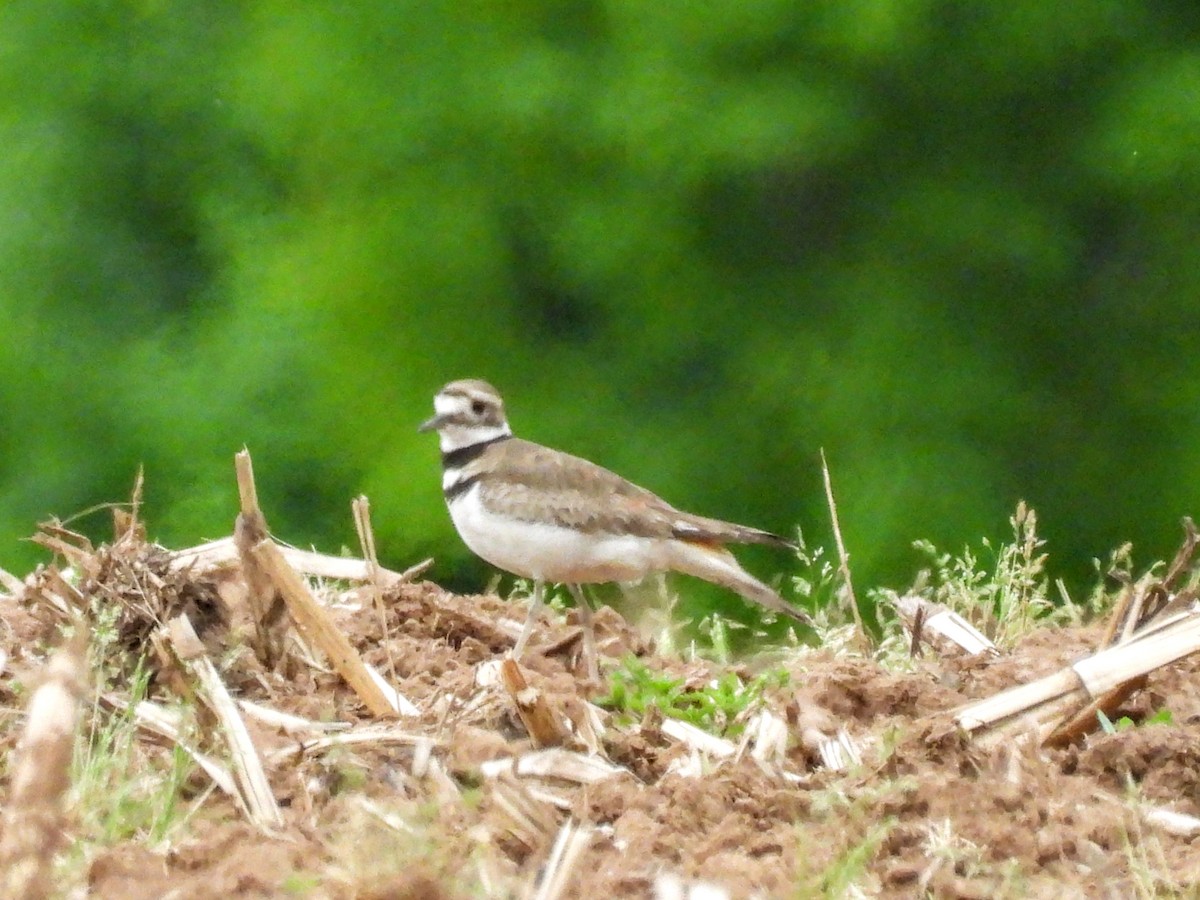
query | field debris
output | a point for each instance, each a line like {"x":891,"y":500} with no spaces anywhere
{"x":33,"y":820}
{"x":1155,"y":623}
{"x":944,"y":627}
{"x":254,"y":791}
{"x":546,"y":727}
{"x":365,"y":733}
{"x":564,"y":857}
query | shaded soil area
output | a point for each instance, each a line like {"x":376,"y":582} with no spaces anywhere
{"x":427,"y":810}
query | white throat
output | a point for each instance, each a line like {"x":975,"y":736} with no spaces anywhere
{"x":455,"y":437}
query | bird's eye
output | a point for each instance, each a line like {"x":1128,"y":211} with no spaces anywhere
{"x":478,"y":407}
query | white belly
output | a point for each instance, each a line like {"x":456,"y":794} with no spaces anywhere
{"x":552,"y":553}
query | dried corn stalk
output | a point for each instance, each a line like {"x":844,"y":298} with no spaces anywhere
{"x":564,"y":859}
{"x":1045,"y":704}
{"x":542,"y":722}
{"x":33,"y":816}
{"x":254,"y":790}
{"x":944,"y":625}
{"x":1154,"y":623}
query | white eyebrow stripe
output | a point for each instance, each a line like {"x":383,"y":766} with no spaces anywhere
{"x":443,"y":404}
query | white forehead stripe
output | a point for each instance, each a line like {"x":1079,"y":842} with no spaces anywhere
{"x":443,"y":404}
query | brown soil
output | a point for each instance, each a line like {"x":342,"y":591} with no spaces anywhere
{"x":927,"y":812}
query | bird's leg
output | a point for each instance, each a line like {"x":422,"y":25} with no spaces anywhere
{"x":535,"y":610}
{"x":589,"y":634}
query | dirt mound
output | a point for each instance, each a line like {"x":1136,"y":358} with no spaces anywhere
{"x":455,"y":799}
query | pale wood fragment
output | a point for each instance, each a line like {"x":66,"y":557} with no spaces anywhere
{"x":288,"y":723}
{"x":543,"y":723}
{"x":1016,"y":700}
{"x":223,"y":552}
{"x":946,"y":624}
{"x":1102,"y":677}
{"x":378,"y":735}
{"x":318,"y":628}
{"x":843,"y":556}
{"x":766,"y":737}
{"x":555,"y":762}
{"x":11,"y":583}
{"x":531,"y":820}
{"x":1172,"y":822}
{"x":254,"y":789}
{"x":33,"y":820}
{"x":361,"y":508}
{"x":564,"y":859}
{"x":1110,"y":668}
{"x":164,"y":723}
{"x":264,"y":598}
{"x":698,"y":739}
{"x":398,"y":702}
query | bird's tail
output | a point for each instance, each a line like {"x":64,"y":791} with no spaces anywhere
{"x":718,"y":565}
{"x":702,"y":530}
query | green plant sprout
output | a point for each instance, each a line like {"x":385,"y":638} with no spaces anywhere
{"x":634,"y":689}
{"x":1108,"y":726}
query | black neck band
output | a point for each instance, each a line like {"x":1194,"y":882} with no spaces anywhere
{"x":459,"y":488}
{"x":456,"y":459}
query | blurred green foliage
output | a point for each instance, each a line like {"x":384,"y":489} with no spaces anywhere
{"x":953,"y":243}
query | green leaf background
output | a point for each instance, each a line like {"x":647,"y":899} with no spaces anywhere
{"x":952,"y":243}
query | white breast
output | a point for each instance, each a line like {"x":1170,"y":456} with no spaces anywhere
{"x":552,"y":553}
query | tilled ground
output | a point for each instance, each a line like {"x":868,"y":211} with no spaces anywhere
{"x":422,"y":811}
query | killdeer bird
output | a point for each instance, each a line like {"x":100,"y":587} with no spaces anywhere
{"x":549,"y":516}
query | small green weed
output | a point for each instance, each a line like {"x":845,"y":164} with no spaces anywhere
{"x":818,"y":583}
{"x":1108,"y":726}
{"x":1149,"y":873}
{"x":301,"y":884}
{"x":1007,"y":596}
{"x":719,"y":630}
{"x":841,"y":878}
{"x":862,"y":833}
{"x":123,"y":792}
{"x":634,"y":688}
